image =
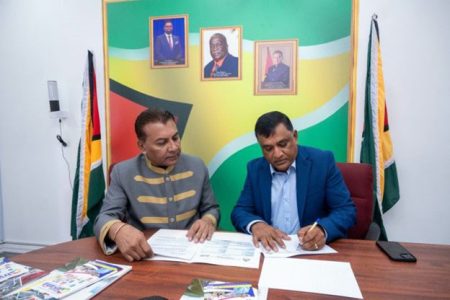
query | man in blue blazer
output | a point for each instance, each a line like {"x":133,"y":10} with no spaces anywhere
{"x":168,"y":50}
{"x":292,"y":190}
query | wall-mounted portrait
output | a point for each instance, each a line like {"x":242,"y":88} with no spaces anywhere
{"x":168,"y":41}
{"x":221,"y":53}
{"x":276,"y":67}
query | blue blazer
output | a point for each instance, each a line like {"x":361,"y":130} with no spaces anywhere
{"x":229,"y":68}
{"x":163,"y":51}
{"x":321,"y":193}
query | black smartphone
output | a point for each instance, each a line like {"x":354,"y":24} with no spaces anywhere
{"x":396,"y":252}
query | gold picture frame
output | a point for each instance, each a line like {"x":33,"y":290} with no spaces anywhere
{"x":169,"y":50}
{"x":276,"y":67}
{"x":220,"y":53}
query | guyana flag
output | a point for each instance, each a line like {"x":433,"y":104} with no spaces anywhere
{"x":89,"y":183}
{"x":376,"y":148}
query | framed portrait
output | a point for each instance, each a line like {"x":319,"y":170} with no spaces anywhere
{"x":168,"y":41}
{"x":276,"y":67}
{"x":221,"y":53}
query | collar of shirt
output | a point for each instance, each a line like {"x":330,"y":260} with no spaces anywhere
{"x":219,"y":63}
{"x":291,"y":168}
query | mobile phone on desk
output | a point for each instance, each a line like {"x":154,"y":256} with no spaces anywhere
{"x":396,"y":252}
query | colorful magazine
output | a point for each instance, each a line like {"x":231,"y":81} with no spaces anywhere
{"x":65,"y":281}
{"x":96,"y":288}
{"x":218,"y":290}
{"x":14,"y":276}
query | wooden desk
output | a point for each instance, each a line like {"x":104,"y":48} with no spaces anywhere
{"x":377,"y":276}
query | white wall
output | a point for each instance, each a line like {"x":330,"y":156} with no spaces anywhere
{"x":44,"y":40}
{"x":415,"y":43}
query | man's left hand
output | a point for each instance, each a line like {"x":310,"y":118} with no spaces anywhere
{"x":313,"y":239}
{"x":201,"y":230}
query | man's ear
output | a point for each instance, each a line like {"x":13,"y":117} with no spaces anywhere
{"x":295,"y":135}
{"x":140,"y":145}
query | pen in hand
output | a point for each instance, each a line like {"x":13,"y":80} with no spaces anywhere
{"x":310,"y":228}
{"x":313,"y":225}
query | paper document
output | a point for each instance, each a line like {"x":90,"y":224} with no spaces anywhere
{"x":225,"y":248}
{"x":307,"y":275}
{"x":293,"y":248}
{"x":173,"y":243}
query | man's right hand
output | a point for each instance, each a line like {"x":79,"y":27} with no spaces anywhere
{"x":269,"y":237}
{"x":131,"y":242}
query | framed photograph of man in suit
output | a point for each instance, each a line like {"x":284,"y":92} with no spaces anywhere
{"x":168,"y":41}
{"x":220,"y":53}
{"x":276,"y":67}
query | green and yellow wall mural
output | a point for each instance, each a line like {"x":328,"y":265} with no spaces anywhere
{"x":216,"y":117}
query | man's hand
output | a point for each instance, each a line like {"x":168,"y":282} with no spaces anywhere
{"x":313,"y":239}
{"x":130,"y":241}
{"x":269,"y":237}
{"x":201,"y":230}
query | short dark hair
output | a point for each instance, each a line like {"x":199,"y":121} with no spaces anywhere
{"x":168,"y":21}
{"x":151,"y":115}
{"x":265,"y":125}
{"x":278,"y":52}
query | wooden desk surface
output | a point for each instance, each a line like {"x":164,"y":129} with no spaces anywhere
{"x":377,"y":276}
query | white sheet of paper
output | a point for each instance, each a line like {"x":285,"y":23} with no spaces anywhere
{"x":293,"y":248}
{"x":307,"y":275}
{"x":225,"y":248}
{"x":172,"y":243}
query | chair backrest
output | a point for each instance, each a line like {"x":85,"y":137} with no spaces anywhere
{"x":359,"y":180}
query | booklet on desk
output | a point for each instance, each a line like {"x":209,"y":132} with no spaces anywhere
{"x":79,"y":276}
{"x":13,"y":275}
{"x":94,"y":289}
{"x":205,"y":289}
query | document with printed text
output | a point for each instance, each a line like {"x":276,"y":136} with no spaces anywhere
{"x":225,"y":248}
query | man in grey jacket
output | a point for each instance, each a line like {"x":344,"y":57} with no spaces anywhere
{"x":160,"y":188}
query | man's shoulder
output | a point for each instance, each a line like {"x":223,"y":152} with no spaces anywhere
{"x":257,"y":163}
{"x":307,"y":152}
{"x":284,"y":66}
{"x":209,"y":66}
{"x":129,"y":163}
{"x":231,"y":58}
{"x":190,"y":158}
{"x":161,"y":36}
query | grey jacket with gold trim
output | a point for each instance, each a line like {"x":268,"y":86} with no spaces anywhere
{"x":145,"y":196}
